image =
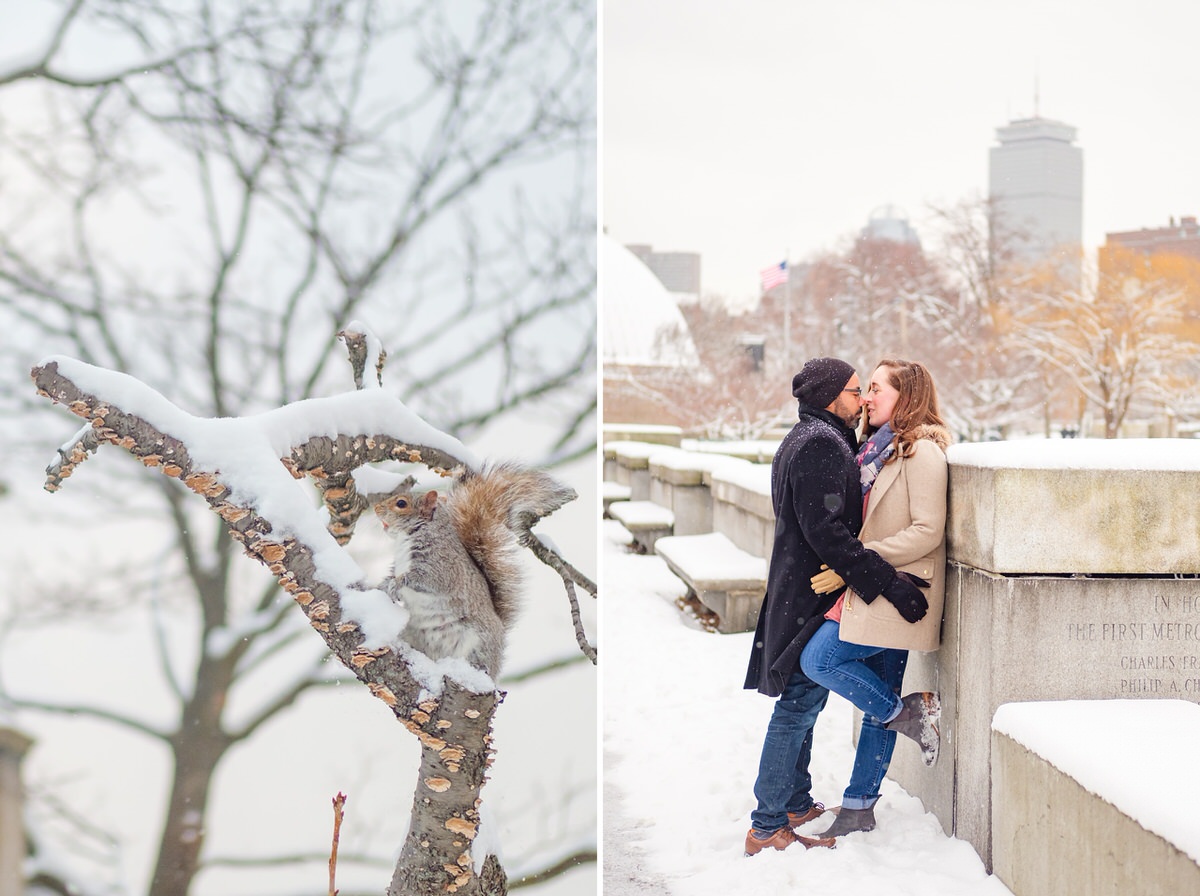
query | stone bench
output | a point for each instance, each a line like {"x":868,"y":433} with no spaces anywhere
{"x":729,"y":581}
{"x":613,"y":491}
{"x":682,"y":481}
{"x":759,"y":451}
{"x":742,"y":507}
{"x":642,"y":432}
{"x":645,"y":521}
{"x":622,"y":440}
{"x":630,"y":465}
{"x":1096,"y":797}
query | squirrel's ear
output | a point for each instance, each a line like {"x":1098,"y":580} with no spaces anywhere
{"x":428,"y":502}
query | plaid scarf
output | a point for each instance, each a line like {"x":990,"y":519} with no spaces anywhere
{"x":874,"y":454}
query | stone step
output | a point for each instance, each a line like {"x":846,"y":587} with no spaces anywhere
{"x":646,"y":521}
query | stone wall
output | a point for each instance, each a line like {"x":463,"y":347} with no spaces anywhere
{"x":1072,"y":575}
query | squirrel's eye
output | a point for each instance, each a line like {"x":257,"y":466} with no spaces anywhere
{"x":401,"y":503}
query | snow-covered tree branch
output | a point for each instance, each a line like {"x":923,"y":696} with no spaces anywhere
{"x":247,"y":470}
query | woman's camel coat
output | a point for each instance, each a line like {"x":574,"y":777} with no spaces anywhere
{"x":905,"y":523}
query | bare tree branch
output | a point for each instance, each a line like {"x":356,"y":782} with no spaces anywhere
{"x":567,"y":863}
{"x":89,"y":712}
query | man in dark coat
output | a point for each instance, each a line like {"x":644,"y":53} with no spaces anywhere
{"x":818,"y":511}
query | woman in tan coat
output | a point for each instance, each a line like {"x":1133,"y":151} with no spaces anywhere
{"x":861,"y":650}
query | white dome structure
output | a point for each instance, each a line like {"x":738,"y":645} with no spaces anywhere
{"x":643,"y":326}
{"x":890,"y":223}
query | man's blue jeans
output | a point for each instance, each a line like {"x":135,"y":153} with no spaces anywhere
{"x":870,"y":678}
{"x":784,"y":784}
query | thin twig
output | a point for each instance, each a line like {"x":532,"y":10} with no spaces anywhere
{"x":556,"y":562}
{"x":81,"y":446}
{"x":511,"y":678}
{"x":580,"y":635}
{"x":582,"y":857}
{"x":339,"y":803}
{"x":570,"y":575}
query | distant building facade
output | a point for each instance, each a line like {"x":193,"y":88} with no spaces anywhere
{"x":679,"y":272}
{"x":1035,"y":184}
{"x":1174,"y":239}
{"x":647,"y":347}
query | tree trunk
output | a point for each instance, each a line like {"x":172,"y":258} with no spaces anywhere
{"x":197,"y":748}
{"x":455,"y":735}
{"x":183,"y":833}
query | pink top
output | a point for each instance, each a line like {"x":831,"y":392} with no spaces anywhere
{"x":835,"y":612}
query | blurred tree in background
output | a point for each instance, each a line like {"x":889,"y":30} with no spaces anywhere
{"x":1014,"y":344}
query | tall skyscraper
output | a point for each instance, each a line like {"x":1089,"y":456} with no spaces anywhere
{"x":1035,"y":182}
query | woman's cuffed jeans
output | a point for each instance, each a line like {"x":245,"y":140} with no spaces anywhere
{"x":870,"y":678}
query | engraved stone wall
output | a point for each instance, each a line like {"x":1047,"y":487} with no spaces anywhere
{"x":1064,"y":583}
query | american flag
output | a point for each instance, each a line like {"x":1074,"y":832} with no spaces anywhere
{"x":773,"y":276}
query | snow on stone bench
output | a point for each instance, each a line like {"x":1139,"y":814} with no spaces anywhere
{"x":1096,"y":797}
{"x":729,"y":581}
{"x":631,"y":465}
{"x":682,"y":481}
{"x":613,"y":491}
{"x":643,"y":432}
{"x":758,"y":451}
{"x":646,"y":521}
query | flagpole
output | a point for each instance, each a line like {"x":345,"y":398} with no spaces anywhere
{"x":787,"y":312}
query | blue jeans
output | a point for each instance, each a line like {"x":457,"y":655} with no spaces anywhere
{"x":870,"y":678}
{"x":784,"y":784}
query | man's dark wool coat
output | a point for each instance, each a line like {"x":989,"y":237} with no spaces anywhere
{"x":818,"y":512}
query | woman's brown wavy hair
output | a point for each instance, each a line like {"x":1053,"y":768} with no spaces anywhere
{"x":916,"y":406}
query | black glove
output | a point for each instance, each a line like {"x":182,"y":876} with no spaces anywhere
{"x":904,"y":593}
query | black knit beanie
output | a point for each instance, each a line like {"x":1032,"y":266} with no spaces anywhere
{"x":821,"y":380}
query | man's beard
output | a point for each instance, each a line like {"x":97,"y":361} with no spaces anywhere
{"x":850,"y":416}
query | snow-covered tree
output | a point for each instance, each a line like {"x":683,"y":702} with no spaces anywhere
{"x":1118,"y":345}
{"x":982,"y":379}
{"x":879,"y":298}
{"x":200,"y":194}
{"x":244,"y":468}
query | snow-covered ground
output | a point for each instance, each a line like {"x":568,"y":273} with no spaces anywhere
{"x":681,"y":747}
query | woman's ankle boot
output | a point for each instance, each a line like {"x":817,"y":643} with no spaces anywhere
{"x":850,"y":821}
{"x":918,"y":719}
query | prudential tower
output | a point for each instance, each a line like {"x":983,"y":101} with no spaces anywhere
{"x":1035,"y":182}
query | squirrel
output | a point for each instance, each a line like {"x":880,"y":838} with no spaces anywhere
{"x":457,"y":566}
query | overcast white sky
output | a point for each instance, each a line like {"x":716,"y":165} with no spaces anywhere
{"x":744,"y":131}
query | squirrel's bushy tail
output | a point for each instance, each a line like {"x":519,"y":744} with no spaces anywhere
{"x":490,"y":508}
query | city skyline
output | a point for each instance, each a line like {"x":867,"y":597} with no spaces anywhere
{"x":781,"y":128}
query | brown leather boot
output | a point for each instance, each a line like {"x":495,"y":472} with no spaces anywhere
{"x":795,"y":819}
{"x":782,"y":839}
